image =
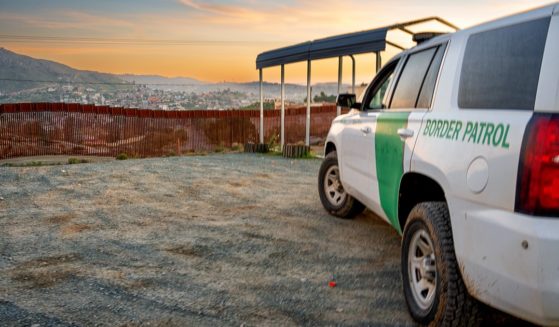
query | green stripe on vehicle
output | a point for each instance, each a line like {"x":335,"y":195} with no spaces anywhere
{"x":389,"y":154}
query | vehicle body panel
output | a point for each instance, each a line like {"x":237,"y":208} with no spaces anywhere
{"x":473,"y":155}
{"x":487,"y":238}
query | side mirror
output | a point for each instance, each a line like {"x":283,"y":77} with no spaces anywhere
{"x":356,"y":105}
{"x":346,"y":100}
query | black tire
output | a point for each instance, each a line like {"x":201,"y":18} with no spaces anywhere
{"x":349,"y":207}
{"x":451,"y":305}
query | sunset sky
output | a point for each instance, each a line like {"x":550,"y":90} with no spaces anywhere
{"x":214,"y":40}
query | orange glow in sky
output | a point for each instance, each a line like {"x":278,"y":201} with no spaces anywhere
{"x":212,"y":40}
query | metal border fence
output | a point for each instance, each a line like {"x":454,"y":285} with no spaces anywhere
{"x":35,"y":129}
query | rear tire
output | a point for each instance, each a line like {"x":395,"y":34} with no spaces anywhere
{"x":433,"y":287}
{"x":332,"y":194}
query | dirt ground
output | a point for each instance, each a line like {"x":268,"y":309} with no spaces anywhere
{"x":232,"y":239}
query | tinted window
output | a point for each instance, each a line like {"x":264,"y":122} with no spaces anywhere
{"x":426,"y":95}
{"x":411,"y":79}
{"x":501,"y":67}
{"x":378,"y":97}
{"x":375,"y":95}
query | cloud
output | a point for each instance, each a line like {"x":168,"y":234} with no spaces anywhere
{"x":74,"y":24}
{"x":64,"y":20}
{"x":228,"y":10}
{"x":307,"y":12}
{"x":300,"y":20}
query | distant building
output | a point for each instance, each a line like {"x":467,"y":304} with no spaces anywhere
{"x":277,"y":104}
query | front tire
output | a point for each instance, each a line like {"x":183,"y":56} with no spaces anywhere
{"x":433,"y":287}
{"x":332,"y":194}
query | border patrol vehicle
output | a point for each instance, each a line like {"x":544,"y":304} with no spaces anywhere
{"x":456,"y":145}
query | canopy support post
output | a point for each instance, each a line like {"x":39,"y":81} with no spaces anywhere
{"x":261,"y":109}
{"x":282,"y":138}
{"x":340,"y":74}
{"x":352,"y":74}
{"x":379,"y":61}
{"x":308,"y":121}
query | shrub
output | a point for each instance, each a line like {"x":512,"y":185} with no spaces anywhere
{"x":122,"y":156}
{"x":73,"y":161}
{"x":273,"y":141}
{"x":309,"y":155}
{"x":35,"y":164}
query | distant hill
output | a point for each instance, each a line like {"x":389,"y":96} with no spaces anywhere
{"x":161,"y":82}
{"x":271,"y":90}
{"x":293,"y":92}
{"x":20,"y":67}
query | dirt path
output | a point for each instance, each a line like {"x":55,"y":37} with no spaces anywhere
{"x":216,"y":240}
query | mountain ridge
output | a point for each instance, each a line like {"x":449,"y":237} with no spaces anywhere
{"x":22,"y":73}
{"x":14,"y":67}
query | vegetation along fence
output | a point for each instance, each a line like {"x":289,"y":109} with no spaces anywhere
{"x":74,"y":129}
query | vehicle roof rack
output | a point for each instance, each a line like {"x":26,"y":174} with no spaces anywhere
{"x":425,"y":36}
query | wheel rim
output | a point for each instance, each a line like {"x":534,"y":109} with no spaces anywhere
{"x":333,"y":188}
{"x":422,"y":269}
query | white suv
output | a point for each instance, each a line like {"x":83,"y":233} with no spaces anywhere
{"x":456,"y":145}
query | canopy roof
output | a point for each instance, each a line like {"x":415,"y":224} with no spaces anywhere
{"x":341,"y":45}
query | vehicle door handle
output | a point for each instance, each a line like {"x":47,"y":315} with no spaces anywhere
{"x":405,"y":132}
{"x":366,"y":130}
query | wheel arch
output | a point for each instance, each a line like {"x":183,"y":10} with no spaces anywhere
{"x":416,"y":188}
{"x":329,"y":147}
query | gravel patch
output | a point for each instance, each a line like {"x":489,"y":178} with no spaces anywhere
{"x":230,"y":239}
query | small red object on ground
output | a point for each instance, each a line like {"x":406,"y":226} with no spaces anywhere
{"x":332,"y":284}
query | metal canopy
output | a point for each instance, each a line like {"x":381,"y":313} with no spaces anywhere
{"x":370,"y":41}
{"x":287,"y":55}
{"x":331,"y":47}
{"x":345,"y":45}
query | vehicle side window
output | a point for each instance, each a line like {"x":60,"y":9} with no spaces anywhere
{"x":376,"y":101}
{"x":411,"y":79}
{"x":380,"y":85}
{"x":428,"y":89}
{"x":501,"y":67}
